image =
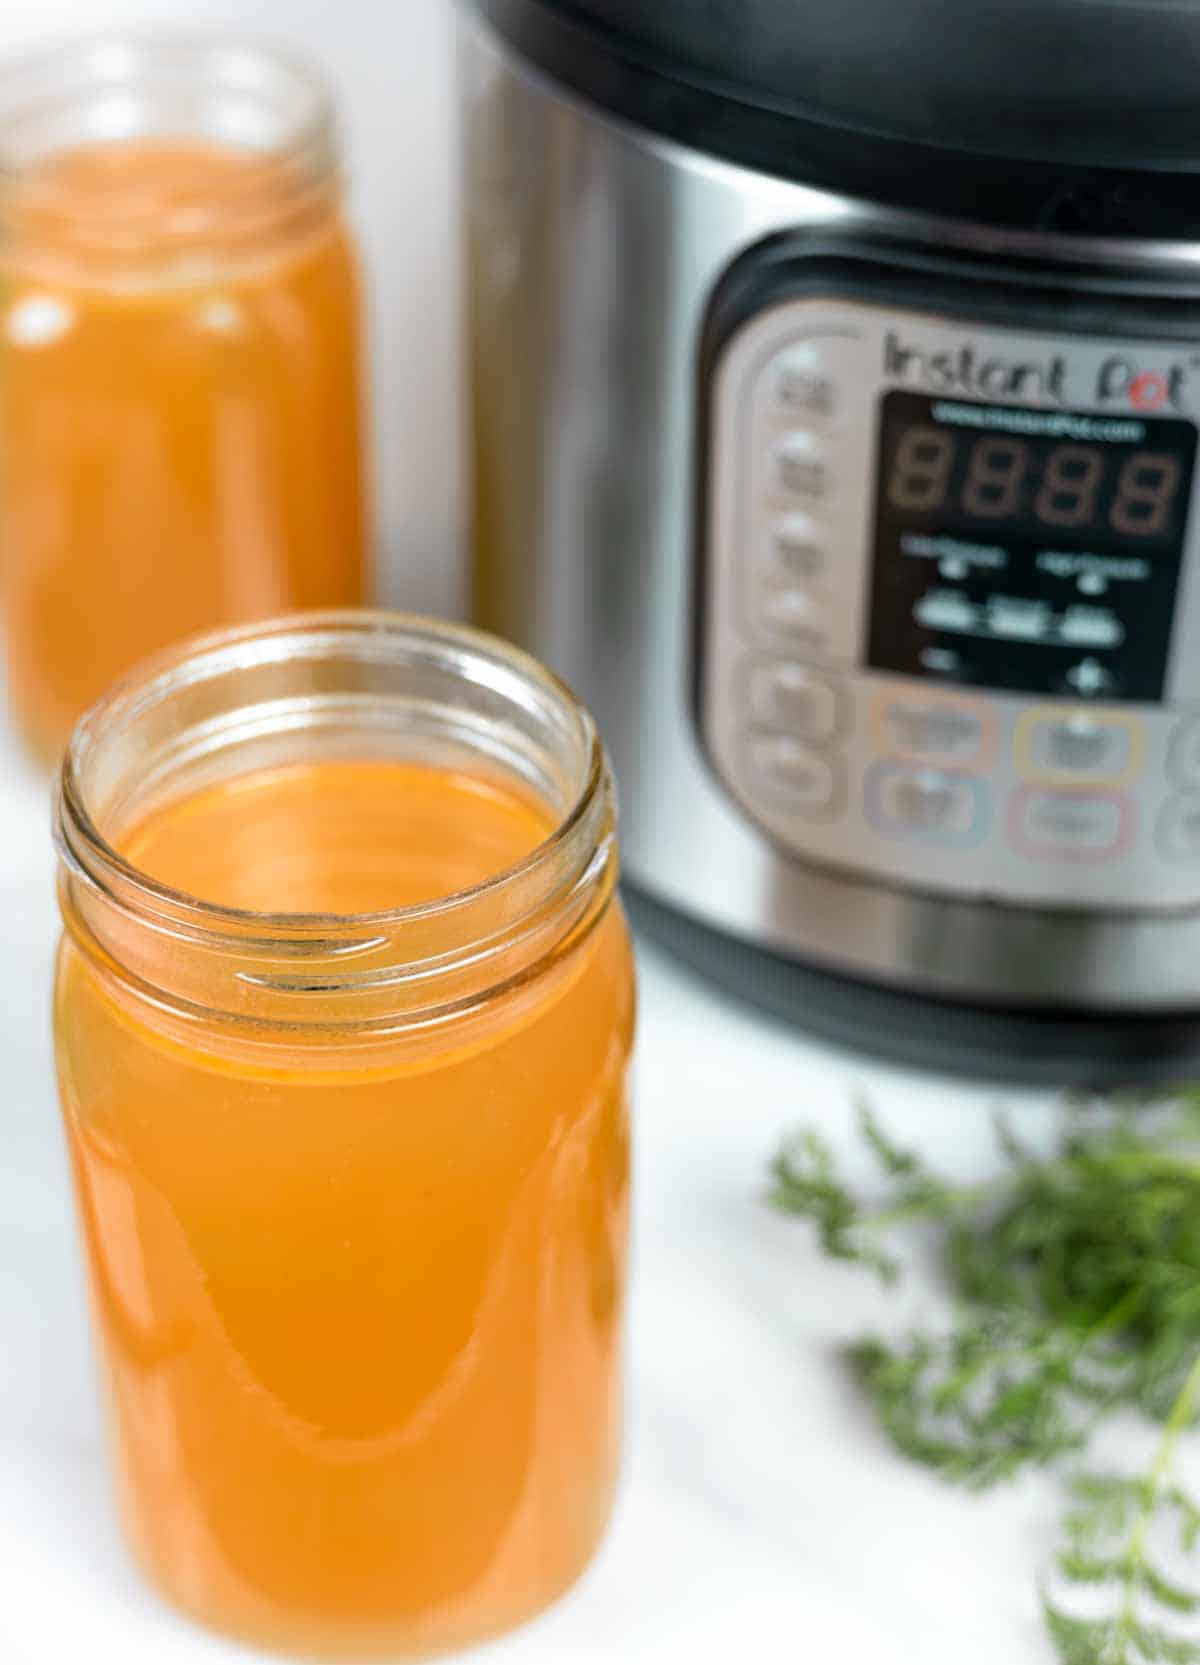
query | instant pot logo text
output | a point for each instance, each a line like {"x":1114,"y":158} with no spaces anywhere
{"x":965,"y":370}
{"x":1120,"y":382}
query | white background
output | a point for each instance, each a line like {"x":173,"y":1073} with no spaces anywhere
{"x":391,"y":61}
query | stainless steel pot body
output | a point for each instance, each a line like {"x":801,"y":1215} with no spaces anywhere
{"x":598,"y":257}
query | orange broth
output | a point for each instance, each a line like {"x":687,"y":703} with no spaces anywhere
{"x":360,"y":1318}
{"x":179,"y":440}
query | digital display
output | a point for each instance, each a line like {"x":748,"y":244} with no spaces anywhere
{"x":1036,"y":550}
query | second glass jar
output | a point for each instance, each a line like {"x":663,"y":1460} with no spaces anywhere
{"x":179,"y":360}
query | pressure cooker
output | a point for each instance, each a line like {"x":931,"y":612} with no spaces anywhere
{"x":835,"y":375}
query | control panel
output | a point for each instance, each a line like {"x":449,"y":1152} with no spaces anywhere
{"x":950,"y":602}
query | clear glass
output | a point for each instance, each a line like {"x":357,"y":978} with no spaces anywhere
{"x":353,"y":1189}
{"x":179,"y":359}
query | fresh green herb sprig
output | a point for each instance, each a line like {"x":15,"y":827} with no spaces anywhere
{"x":1075,"y":1282}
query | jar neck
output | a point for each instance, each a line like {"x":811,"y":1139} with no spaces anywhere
{"x":125,"y":159}
{"x":333,"y":686}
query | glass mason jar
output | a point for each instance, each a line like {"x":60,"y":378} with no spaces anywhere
{"x":179,"y":399}
{"x":353,"y":1186}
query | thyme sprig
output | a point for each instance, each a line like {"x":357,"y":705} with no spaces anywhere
{"x":1075,"y":1287}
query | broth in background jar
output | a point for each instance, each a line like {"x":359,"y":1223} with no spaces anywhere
{"x":179,"y":360}
{"x":344,"y":1015}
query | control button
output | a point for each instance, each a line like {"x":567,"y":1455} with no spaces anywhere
{"x":1179,"y":827}
{"x":792,"y":774}
{"x":784,"y":696}
{"x":937,"y":806}
{"x":1078,"y":745}
{"x":1078,"y":824}
{"x":803,"y":386}
{"x":1183,"y":759}
{"x":791,"y":610}
{"x":930,"y":728}
{"x":795,"y":547}
{"x":800,"y":466}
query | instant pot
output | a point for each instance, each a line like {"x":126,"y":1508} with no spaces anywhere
{"x":836,"y":378}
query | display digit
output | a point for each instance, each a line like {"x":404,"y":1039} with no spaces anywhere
{"x":1145,"y":492}
{"x":921,"y":468}
{"x":1069,"y":485}
{"x":995,"y":475}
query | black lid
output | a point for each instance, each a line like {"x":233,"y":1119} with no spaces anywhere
{"x":1076,"y":115}
{"x":1113,"y":82}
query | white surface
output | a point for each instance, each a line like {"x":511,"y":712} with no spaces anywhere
{"x":392,"y":64}
{"x":762,"y":1516}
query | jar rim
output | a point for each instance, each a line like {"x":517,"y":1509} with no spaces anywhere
{"x":211,"y":647}
{"x":46,"y":93}
{"x":344,"y":684}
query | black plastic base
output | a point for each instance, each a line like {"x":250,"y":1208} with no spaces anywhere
{"x":994,"y":1043}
